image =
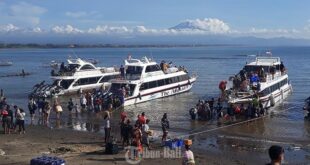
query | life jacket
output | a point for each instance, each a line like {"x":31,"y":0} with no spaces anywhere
{"x":237,"y":110}
{"x":222,"y":85}
{"x":4,"y":113}
{"x":123,"y":116}
{"x":142,"y":120}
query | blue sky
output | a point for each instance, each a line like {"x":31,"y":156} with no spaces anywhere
{"x":260,"y":18}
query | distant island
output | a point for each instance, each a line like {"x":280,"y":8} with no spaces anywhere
{"x":47,"y":46}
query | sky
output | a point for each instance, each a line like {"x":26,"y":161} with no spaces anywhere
{"x":45,"y":19}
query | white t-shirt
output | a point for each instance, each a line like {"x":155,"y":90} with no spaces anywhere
{"x":145,"y":128}
{"x":106,"y":123}
{"x":188,"y":157}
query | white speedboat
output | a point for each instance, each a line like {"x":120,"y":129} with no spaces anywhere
{"x":77,"y":75}
{"x":6,"y":63}
{"x":145,"y":80}
{"x":264,"y":78}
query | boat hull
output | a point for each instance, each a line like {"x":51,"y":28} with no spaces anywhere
{"x":160,"y":93}
{"x":270,"y":100}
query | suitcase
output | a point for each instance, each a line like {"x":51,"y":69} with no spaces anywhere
{"x":47,"y":160}
{"x":111,"y":148}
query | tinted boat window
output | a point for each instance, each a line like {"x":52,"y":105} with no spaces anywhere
{"x":152,"y":68}
{"x":65,"y":83}
{"x":108,"y":78}
{"x":85,"y":67}
{"x":152,"y":84}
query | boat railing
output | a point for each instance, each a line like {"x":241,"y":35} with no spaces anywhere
{"x":269,"y":77}
{"x":132,"y":76}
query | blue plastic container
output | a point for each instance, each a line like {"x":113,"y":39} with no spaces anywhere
{"x":172,"y":144}
{"x":47,"y":160}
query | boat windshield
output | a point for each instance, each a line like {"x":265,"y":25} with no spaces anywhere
{"x":133,"y":72}
{"x":118,"y":88}
{"x":73,"y":67}
{"x":66,"y":83}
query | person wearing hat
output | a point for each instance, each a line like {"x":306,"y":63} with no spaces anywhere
{"x":276,"y":154}
{"x":188,"y":155}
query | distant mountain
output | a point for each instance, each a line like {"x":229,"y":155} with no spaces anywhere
{"x":212,"y":25}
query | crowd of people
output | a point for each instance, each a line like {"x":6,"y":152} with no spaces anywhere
{"x":11,"y":118}
{"x":97,"y":101}
{"x":211,"y":109}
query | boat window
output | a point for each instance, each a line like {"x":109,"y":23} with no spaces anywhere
{"x":134,"y":70}
{"x":66,"y":83}
{"x":86,"y":67}
{"x":73,"y":67}
{"x":152,"y":68}
{"x":161,"y":82}
{"x":176,"y":79}
{"x":108,"y":78}
{"x":144,"y":86}
{"x":86,"y":81}
{"x":152,"y":84}
{"x":93,"y":80}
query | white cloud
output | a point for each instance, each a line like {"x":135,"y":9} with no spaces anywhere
{"x":8,"y":28}
{"x":68,"y":29}
{"x":26,"y":9}
{"x":37,"y":30}
{"x":82,"y":14}
{"x":109,"y":30}
{"x":21,"y":13}
{"x":210,"y":25}
{"x":197,"y":27}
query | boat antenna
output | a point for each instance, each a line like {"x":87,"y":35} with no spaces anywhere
{"x":151,"y":54}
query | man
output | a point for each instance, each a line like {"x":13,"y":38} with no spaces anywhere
{"x":276,"y":154}
{"x":122,"y":70}
{"x":164,"y":126}
{"x":145,"y":134}
{"x":188,"y":155}
{"x":282,"y":67}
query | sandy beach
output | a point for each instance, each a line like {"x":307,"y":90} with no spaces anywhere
{"x":223,"y":146}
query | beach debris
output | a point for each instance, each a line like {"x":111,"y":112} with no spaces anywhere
{"x":2,"y":152}
{"x":45,"y":153}
{"x":61,"y":150}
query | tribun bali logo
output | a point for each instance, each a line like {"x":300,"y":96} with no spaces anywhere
{"x":135,"y":155}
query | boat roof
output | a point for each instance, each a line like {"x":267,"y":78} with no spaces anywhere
{"x":78,"y":61}
{"x":139,"y":62}
{"x":265,"y":61}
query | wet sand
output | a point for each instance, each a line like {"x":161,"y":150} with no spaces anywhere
{"x":75,"y":147}
{"x":241,"y":144}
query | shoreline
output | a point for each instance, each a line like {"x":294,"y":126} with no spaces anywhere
{"x":223,"y":146}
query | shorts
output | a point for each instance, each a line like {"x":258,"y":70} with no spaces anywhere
{"x":145,"y":140}
{"x":32,"y":112}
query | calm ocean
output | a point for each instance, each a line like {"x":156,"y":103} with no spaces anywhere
{"x":212,"y":64}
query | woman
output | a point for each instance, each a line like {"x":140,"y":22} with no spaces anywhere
{"x":5,"y":121}
{"x":164,"y":126}
{"x":20,"y":117}
{"x":58,"y":109}
{"x":46,"y":113}
{"x":107,"y":127}
{"x":32,"y":106}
